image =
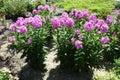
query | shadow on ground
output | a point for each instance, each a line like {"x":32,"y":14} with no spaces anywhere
{"x":60,"y":74}
{"x":28,"y":73}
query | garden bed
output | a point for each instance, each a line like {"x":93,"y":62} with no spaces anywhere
{"x":50,"y":45}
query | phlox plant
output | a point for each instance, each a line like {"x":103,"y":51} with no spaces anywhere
{"x":82,"y":39}
{"x":29,"y":36}
{"x":63,"y":28}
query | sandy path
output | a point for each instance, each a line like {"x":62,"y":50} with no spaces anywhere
{"x":50,"y":62}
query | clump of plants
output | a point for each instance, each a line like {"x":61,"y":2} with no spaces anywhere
{"x":82,"y":39}
{"x":14,"y":8}
{"x":29,"y":35}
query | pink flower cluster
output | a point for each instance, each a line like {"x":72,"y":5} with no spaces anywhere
{"x":104,"y":40}
{"x":79,"y":14}
{"x":64,"y":20}
{"x":78,"y":43}
{"x":89,"y":26}
{"x":109,"y":19}
{"x":95,"y":23}
{"x":41,"y":8}
{"x":21,"y":24}
{"x":92,"y":17}
{"x":46,"y":7}
{"x":12,"y":39}
{"x":37,"y":22}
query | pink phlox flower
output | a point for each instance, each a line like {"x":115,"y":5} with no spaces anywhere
{"x":88,"y":26}
{"x":69,"y":22}
{"x":80,"y":36}
{"x":13,"y":27}
{"x":93,"y":17}
{"x":72,"y":39}
{"x":37,"y":22}
{"x":78,"y":44}
{"x":109,"y":19}
{"x":104,"y":28}
{"x":11,"y":38}
{"x":77,"y":31}
{"x":86,"y":13}
{"x":104,"y":40}
{"x":29,"y":40}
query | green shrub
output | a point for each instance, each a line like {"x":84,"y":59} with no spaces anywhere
{"x":30,"y":6}
{"x":38,"y":2}
{"x":2,"y":10}
{"x":15,"y":8}
{"x":106,"y":76}
{"x":117,"y":4}
{"x":55,"y":1}
{"x":34,"y":4}
{"x":1,"y":3}
{"x":101,"y":7}
{"x":4,"y":76}
{"x":117,"y":66}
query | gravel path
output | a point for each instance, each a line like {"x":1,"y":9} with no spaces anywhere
{"x":51,"y":63}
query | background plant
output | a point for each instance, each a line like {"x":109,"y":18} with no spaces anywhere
{"x":55,"y":1}
{"x":14,"y":8}
{"x":38,"y":2}
{"x":117,"y":66}
{"x":101,"y":7}
{"x":2,"y":12}
{"x":34,"y":4}
{"x":4,"y":76}
{"x":107,"y":76}
{"x":117,"y":5}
